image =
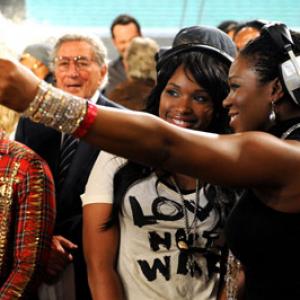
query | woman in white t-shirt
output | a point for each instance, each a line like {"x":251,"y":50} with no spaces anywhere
{"x":148,"y":233}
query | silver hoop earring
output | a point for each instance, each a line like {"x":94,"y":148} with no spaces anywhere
{"x":272,"y":115}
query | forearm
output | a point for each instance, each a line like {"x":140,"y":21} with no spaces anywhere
{"x":152,"y":141}
{"x":137,"y":136}
{"x":100,"y":249}
{"x":105,"y":285}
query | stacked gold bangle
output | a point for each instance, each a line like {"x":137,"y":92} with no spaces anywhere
{"x":231,"y":278}
{"x":57,"y":109}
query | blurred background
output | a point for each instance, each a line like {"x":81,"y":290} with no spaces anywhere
{"x":26,"y":21}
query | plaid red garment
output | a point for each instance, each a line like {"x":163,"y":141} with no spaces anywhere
{"x":27,"y":213}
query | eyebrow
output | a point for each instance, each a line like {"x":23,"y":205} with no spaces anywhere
{"x":203,"y":90}
{"x":173,"y":84}
{"x":72,"y":57}
{"x":233,"y":77}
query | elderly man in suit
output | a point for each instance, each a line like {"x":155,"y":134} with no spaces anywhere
{"x":80,"y":68}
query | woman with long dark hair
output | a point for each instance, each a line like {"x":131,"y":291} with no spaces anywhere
{"x":166,"y":227}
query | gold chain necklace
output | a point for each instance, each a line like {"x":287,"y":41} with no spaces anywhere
{"x":182,"y":243}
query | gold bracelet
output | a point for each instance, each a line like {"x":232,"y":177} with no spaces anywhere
{"x":38,"y":99}
{"x":57,"y":109}
{"x":232,"y":273}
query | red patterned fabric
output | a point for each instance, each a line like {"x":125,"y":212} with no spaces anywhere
{"x":27,"y":213}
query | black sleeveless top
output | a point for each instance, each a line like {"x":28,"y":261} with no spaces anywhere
{"x":267,"y":242}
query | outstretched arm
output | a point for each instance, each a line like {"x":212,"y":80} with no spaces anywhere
{"x":248,"y":159}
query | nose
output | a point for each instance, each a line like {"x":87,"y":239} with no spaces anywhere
{"x":72,"y":69}
{"x":123,"y":49}
{"x":184,"y":104}
{"x":227,"y":101}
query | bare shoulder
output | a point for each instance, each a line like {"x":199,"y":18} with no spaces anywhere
{"x":283,"y":156}
{"x":97,"y":213}
{"x":268,"y":143}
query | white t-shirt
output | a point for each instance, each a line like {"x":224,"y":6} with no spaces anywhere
{"x":150,"y":264}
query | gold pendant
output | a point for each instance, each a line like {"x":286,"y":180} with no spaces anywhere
{"x":182,"y":245}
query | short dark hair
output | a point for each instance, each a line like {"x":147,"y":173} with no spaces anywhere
{"x":265,"y":56}
{"x":257,"y":24}
{"x":228,"y":25}
{"x":124,"y":20}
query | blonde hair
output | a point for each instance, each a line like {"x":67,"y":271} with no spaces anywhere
{"x":8,"y":120}
{"x":140,"y":58}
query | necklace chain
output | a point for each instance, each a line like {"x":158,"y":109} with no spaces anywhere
{"x":188,"y":228}
{"x":290,"y":130}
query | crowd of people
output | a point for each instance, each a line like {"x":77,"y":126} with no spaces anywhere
{"x":194,"y":194}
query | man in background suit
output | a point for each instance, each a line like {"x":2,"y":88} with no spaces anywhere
{"x":80,"y":68}
{"x":123,"y":29}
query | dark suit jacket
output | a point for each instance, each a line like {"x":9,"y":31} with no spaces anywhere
{"x":46,"y":142}
{"x":116,"y":75}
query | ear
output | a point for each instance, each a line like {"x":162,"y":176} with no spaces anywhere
{"x":103,"y":72}
{"x":114,"y":42}
{"x":277,"y":90}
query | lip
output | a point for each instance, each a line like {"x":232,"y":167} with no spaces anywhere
{"x":73,"y":86}
{"x":233,"y":116}
{"x":182,"y":122}
{"x":232,"y":112}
